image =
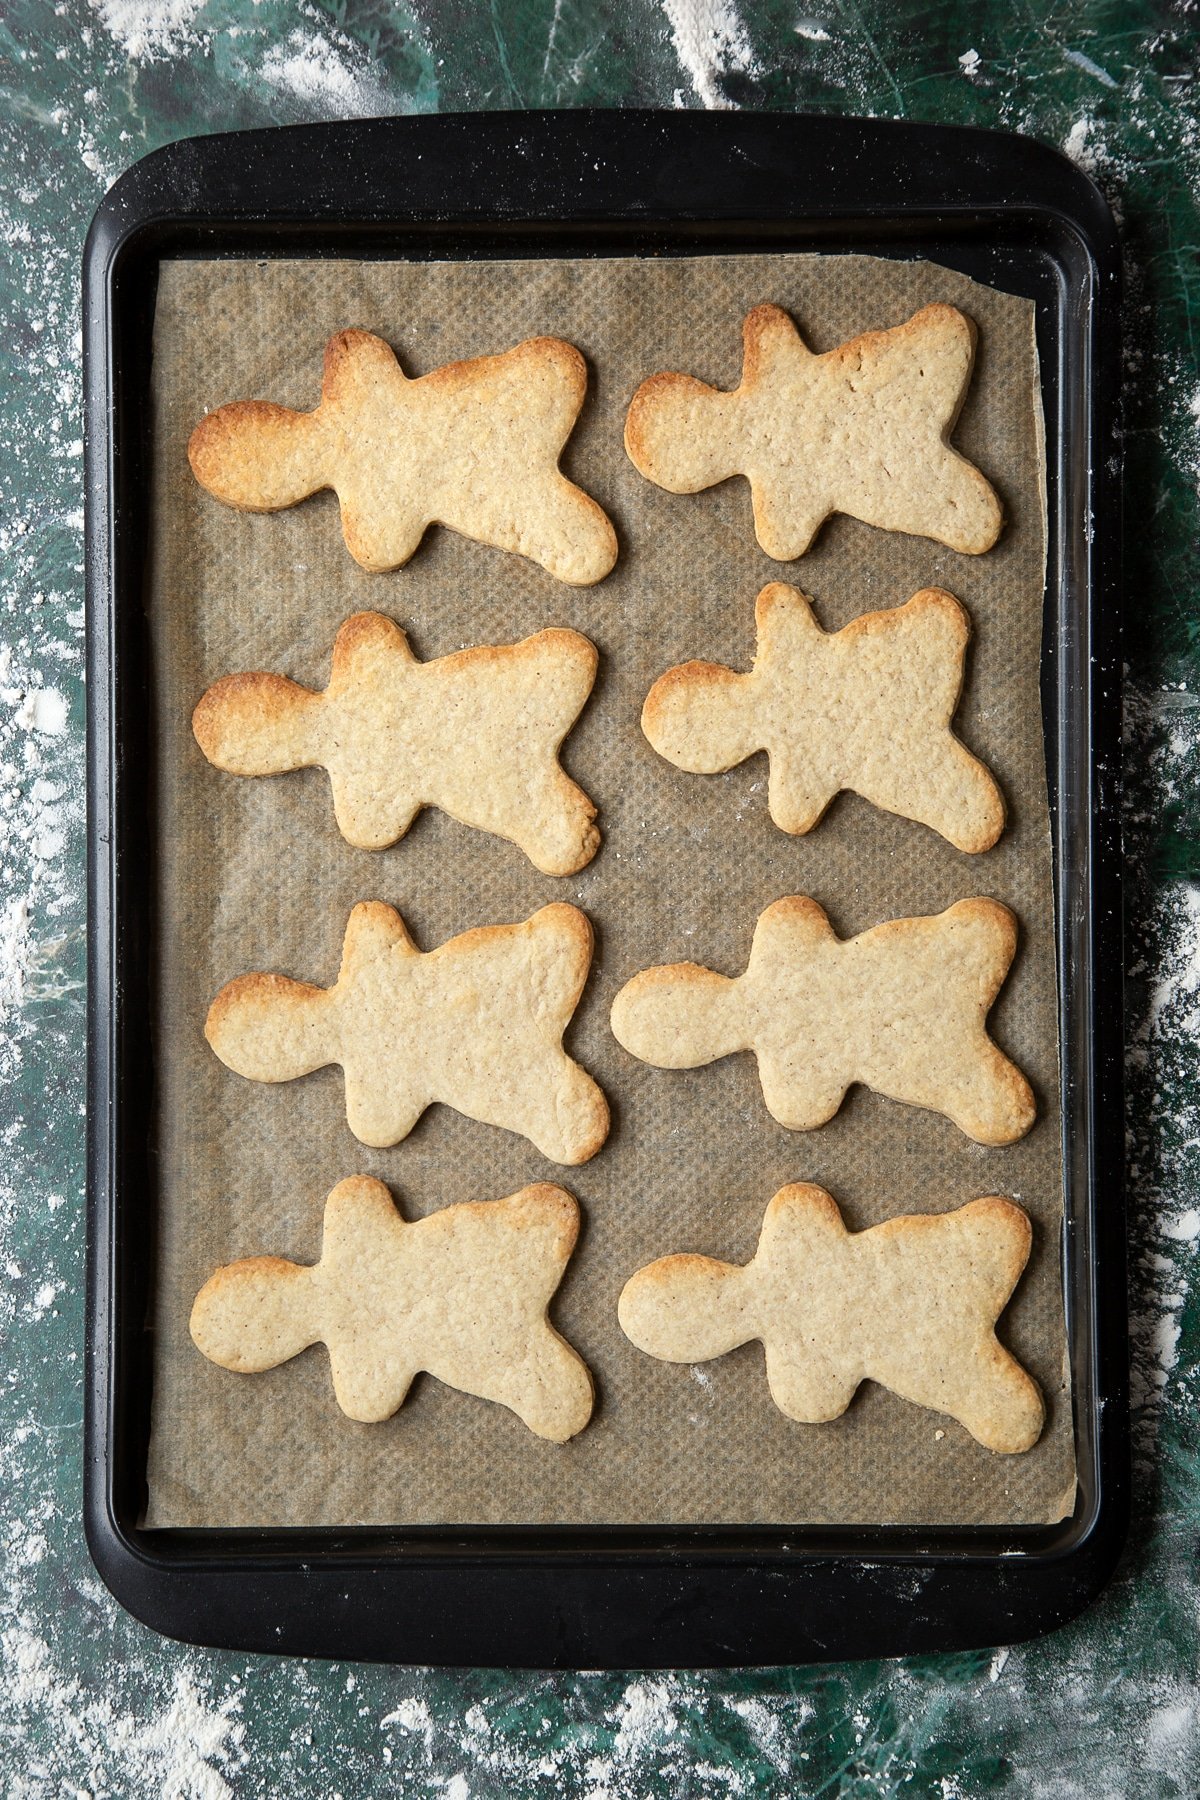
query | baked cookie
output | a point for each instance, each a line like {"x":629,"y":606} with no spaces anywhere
{"x":868,"y":708}
{"x":911,"y":1303}
{"x":902,"y":1008}
{"x":476,"y":1024}
{"x":476,"y":734}
{"x":863,"y":430}
{"x":474,"y":445}
{"x":462,"y":1294}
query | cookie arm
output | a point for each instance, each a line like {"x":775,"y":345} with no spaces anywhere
{"x":259,"y":724}
{"x":679,"y":1016}
{"x":687,"y":1308}
{"x":270,"y":1028}
{"x":253,"y":1315}
{"x":258,"y":456}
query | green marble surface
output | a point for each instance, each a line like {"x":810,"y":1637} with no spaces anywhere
{"x":91,"y":1703}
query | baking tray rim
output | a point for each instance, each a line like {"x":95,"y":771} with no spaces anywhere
{"x":190,"y":198}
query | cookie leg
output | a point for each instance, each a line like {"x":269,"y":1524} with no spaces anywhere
{"x":988,"y":1392}
{"x":807,"y":1384}
{"x":567,"y":533}
{"x":567,"y":1116}
{"x":550,"y":1391}
{"x":991,"y":1100}
{"x":953,"y":793}
{"x":553,"y":823}
{"x":1004,"y":1409}
{"x":961,"y":507}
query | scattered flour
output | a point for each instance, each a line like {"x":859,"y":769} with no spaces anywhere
{"x":1164,"y":1157}
{"x":646,"y":1716}
{"x":334,"y":78}
{"x":44,"y":710}
{"x":148,"y":30}
{"x":1076,"y":145}
{"x":182,"y":1751}
{"x":414,"y":1719}
{"x":1080,"y":61}
{"x":14,"y":952}
{"x":709,"y":40}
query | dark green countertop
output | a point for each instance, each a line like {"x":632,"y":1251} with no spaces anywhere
{"x":90,"y":1702}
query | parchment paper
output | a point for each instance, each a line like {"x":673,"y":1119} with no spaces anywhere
{"x":252,"y":874}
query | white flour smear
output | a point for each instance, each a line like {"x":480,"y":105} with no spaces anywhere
{"x":181,"y":1749}
{"x":318,"y":71}
{"x":148,"y":30}
{"x":709,"y":40}
{"x":1164,"y":1094}
{"x":333,"y":79}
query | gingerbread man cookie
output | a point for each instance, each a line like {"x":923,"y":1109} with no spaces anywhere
{"x":863,"y":429}
{"x":462,"y":1294}
{"x":476,"y":1024}
{"x":474,"y":445}
{"x":868,"y":708}
{"x":911,"y":1303}
{"x":902,"y":1008}
{"x":476,"y":733}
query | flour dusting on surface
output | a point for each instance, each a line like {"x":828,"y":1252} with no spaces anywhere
{"x":183,"y":1750}
{"x":1077,"y":147}
{"x":148,"y":30}
{"x":331,"y":77}
{"x":709,"y":40}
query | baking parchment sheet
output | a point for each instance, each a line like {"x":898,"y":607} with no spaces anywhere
{"x":252,"y":874}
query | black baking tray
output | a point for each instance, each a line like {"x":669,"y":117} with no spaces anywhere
{"x":1001,"y":208}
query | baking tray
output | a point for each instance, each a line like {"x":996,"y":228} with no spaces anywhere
{"x":1001,"y":209}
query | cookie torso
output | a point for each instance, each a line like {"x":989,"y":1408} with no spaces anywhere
{"x":476,"y":733}
{"x":862,"y":429}
{"x":867,"y":708}
{"x":462,"y":1294}
{"x":476,"y":1024}
{"x":474,"y":446}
